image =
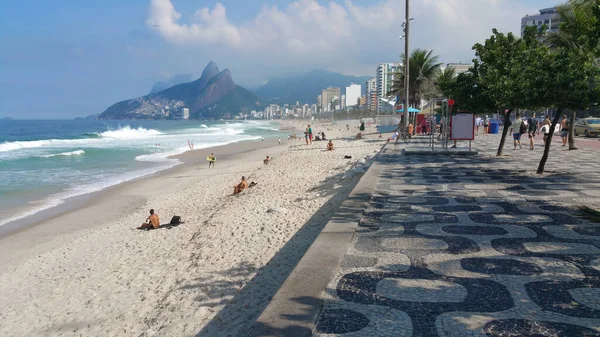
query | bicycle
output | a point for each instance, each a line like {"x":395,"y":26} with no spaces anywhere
{"x":406,"y":137}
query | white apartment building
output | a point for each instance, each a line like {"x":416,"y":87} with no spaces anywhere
{"x":353,"y":93}
{"x":547,"y":16}
{"x":386,"y":74}
{"x":186,"y":113}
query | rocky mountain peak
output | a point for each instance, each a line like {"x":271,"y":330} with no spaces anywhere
{"x":211,"y":70}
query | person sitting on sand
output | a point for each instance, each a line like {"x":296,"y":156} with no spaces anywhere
{"x":152,"y":222}
{"x":241,"y":186}
{"x":267,"y":160}
{"x":330,"y":146}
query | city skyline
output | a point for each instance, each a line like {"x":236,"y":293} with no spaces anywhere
{"x":72,"y":59}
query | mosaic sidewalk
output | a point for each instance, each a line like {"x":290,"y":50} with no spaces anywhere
{"x":473,"y":246}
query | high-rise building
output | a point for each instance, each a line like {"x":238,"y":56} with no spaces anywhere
{"x":547,"y":16}
{"x":343,"y":102}
{"x":370,"y":90}
{"x":353,"y":93}
{"x":186,"y":113}
{"x":386,"y":74}
{"x":327,"y":96}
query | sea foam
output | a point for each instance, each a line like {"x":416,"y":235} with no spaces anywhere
{"x":65,"y":154}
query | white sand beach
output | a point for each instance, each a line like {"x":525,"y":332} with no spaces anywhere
{"x":89,"y":272}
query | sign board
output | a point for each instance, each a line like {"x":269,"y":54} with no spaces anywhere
{"x":462,"y":127}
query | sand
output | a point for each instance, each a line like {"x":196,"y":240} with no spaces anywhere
{"x":89,"y":272}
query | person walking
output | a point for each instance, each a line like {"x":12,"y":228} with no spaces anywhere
{"x":546,"y":128}
{"x":478,"y":122}
{"x":211,"y":160}
{"x":306,"y":135}
{"x":532,"y":127}
{"x":517,"y":128}
{"x":310,"y":134}
{"x":486,"y":125}
{"x":564,"y":130}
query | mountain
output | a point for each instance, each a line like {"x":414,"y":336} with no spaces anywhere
{"x":178,"y":79}
{"x":213,"y":95}
{"x":304,"y":87}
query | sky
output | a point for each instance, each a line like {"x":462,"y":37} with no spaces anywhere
{"x":72,"y":58}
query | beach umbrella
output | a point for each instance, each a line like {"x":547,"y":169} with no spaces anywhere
{"x":410,"y":109}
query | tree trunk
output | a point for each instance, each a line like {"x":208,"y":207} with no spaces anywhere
{"x":571,"y":134}
{"x":540,"y":169}
{"x":507,"y":125}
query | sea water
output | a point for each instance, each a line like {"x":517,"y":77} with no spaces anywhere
{"x":42,"y":163}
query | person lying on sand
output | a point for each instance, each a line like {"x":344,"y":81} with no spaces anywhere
{"x":241,"y":186}
{"x":330,"y":146}
{"x":267,"y":160}
{"x":152,"y":222}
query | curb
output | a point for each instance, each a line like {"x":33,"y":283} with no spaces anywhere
{"x":294,"y":309}
{"x":409,"y":152}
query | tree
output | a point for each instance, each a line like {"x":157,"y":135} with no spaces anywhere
{"x":424,"y":70}
{"x":499,"y":64}
{"x":568,"y":78}
{"x":467,"y":92}
{"x":580,"y":29}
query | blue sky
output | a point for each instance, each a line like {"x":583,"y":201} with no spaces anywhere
{"x":62,"y":59}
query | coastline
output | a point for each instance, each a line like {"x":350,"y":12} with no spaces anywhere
{"x":76,"y":202}
{"x":89,"y":272}
{"x":116,"y":200}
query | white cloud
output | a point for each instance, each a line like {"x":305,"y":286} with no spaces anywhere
{"x":343,"y":37}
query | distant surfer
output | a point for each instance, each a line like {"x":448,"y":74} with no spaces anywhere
{"x":211,"y":160}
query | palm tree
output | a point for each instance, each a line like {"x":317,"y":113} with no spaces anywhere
{"x":445,"y":78}
{"x":424,"y":70}
{"x":580,"y":29}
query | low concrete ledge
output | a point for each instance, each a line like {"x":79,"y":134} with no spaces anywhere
{"x":294,"y":309}
{"x":439,"y":152}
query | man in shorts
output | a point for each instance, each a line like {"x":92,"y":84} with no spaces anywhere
{"x":152,"y":222}
{"x":564,"y":130}
{"x":486,"y":125}
{"x":531,"y":129}
{"x":310,"y":134}
{"x":516,"y":131}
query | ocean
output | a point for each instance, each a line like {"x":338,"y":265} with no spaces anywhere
{"x":44,"y":162}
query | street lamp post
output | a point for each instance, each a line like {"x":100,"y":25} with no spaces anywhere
{"x":406,"y":66}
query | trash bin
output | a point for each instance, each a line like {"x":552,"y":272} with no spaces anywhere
{"x":494,"y":127}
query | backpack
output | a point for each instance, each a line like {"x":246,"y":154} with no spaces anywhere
{"x":523,"y":128}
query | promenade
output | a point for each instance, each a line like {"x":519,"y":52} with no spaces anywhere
{"x":468,"y":246}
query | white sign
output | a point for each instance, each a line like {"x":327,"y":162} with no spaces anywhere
{"x":462,"y":127}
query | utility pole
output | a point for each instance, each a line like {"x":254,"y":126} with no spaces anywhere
{"x":406,"y":66}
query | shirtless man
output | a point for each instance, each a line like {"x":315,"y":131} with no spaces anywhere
{"x":241,"y":186}
{"x":564,"y":130}
{"x":152,"y":222}
{"x":330,"y":146}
